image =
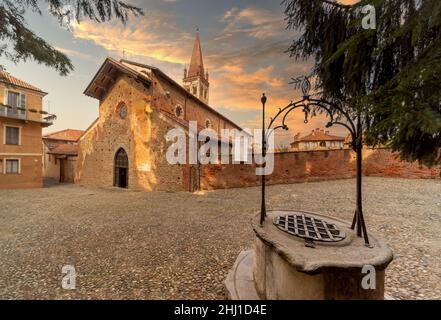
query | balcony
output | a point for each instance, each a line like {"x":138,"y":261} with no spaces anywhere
{"x":28,"y":115}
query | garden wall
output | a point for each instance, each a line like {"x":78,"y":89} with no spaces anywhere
{"x":308,"y":166}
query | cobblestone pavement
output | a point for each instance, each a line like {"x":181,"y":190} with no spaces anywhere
{"x":137,"y":245}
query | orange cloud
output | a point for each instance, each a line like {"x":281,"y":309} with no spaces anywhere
{"x":236,"y":76}
{"x":141,"y":38}
{"x":257,"y":23}
{"x":349,"y":1}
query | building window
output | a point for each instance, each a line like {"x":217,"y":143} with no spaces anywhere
{"x":12,"y":135}
{"x":195,"y":90}
{"x":12,"y":166}
{"x":179,"y":112}
{"x":16,"y":101}
{"x":207,"y":123}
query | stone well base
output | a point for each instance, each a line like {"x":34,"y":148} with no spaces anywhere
{"x":285,"y":267}
{"x":239,"y":284}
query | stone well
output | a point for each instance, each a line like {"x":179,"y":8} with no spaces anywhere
{"x":283,"y":266}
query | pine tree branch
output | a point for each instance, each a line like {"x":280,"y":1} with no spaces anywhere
{"x":19,"y":43}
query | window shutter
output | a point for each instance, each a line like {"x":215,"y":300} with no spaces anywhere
{"x":23,"y":103}
{"x":13,"y":99}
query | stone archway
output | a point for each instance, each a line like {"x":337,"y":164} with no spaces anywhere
{"x":121,"y":178}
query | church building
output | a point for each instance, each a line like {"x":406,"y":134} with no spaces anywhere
{"x":138,"y":104}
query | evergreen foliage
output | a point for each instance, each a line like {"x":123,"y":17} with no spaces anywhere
{"x":390,"y":76}
{"x":19,"y":43}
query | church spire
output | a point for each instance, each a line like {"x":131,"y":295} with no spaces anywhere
{"x":195,"y":77}
{"x":197,"y":62}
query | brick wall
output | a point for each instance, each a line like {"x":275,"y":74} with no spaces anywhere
{"x":383,"y":163}
{"x":307,"y":166}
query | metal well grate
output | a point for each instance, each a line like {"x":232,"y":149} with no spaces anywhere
{"x":310,"y":228}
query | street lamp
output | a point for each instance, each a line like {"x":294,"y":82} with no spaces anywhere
{"x":263,"y":205}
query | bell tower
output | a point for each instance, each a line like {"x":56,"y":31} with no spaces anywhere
{"x":195,"y":78}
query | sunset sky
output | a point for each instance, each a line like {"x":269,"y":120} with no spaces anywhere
{"x":243,"y":43}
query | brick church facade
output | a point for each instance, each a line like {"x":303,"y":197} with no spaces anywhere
{"x":138,"y":104}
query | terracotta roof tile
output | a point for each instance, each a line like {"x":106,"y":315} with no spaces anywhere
{"x":320,"y":135}
{"x":8,"y":78}
{"x":65,"y":149}
{"x":66,"y":135}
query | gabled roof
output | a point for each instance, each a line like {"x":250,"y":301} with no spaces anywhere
{"x":109,"y":71}
{"x":65,"y":150}
{"x":320,"y":135}
{"x":197,"y":62}
{"x":65,"y":135}
{"x":7,"y":78}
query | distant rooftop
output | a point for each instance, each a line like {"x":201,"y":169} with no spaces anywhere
{"x":65,"y":135}
{"x":319,"y":135}
{"x":65,"y":150}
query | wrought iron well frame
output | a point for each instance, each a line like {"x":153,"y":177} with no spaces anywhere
{"x":338,"y":116}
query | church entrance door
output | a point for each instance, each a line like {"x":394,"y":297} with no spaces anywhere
{"x":121,"y":179}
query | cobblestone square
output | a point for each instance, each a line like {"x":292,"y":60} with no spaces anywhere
{"x":160,"y":245}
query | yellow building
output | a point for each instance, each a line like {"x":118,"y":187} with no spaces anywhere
{"x":21,"y":123}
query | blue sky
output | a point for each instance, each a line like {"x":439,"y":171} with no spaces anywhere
{"x":243,"y":43}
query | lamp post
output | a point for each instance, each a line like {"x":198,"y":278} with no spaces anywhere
{"x":263,"y":207}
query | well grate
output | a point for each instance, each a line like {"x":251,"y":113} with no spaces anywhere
{"x":310,"y":228}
